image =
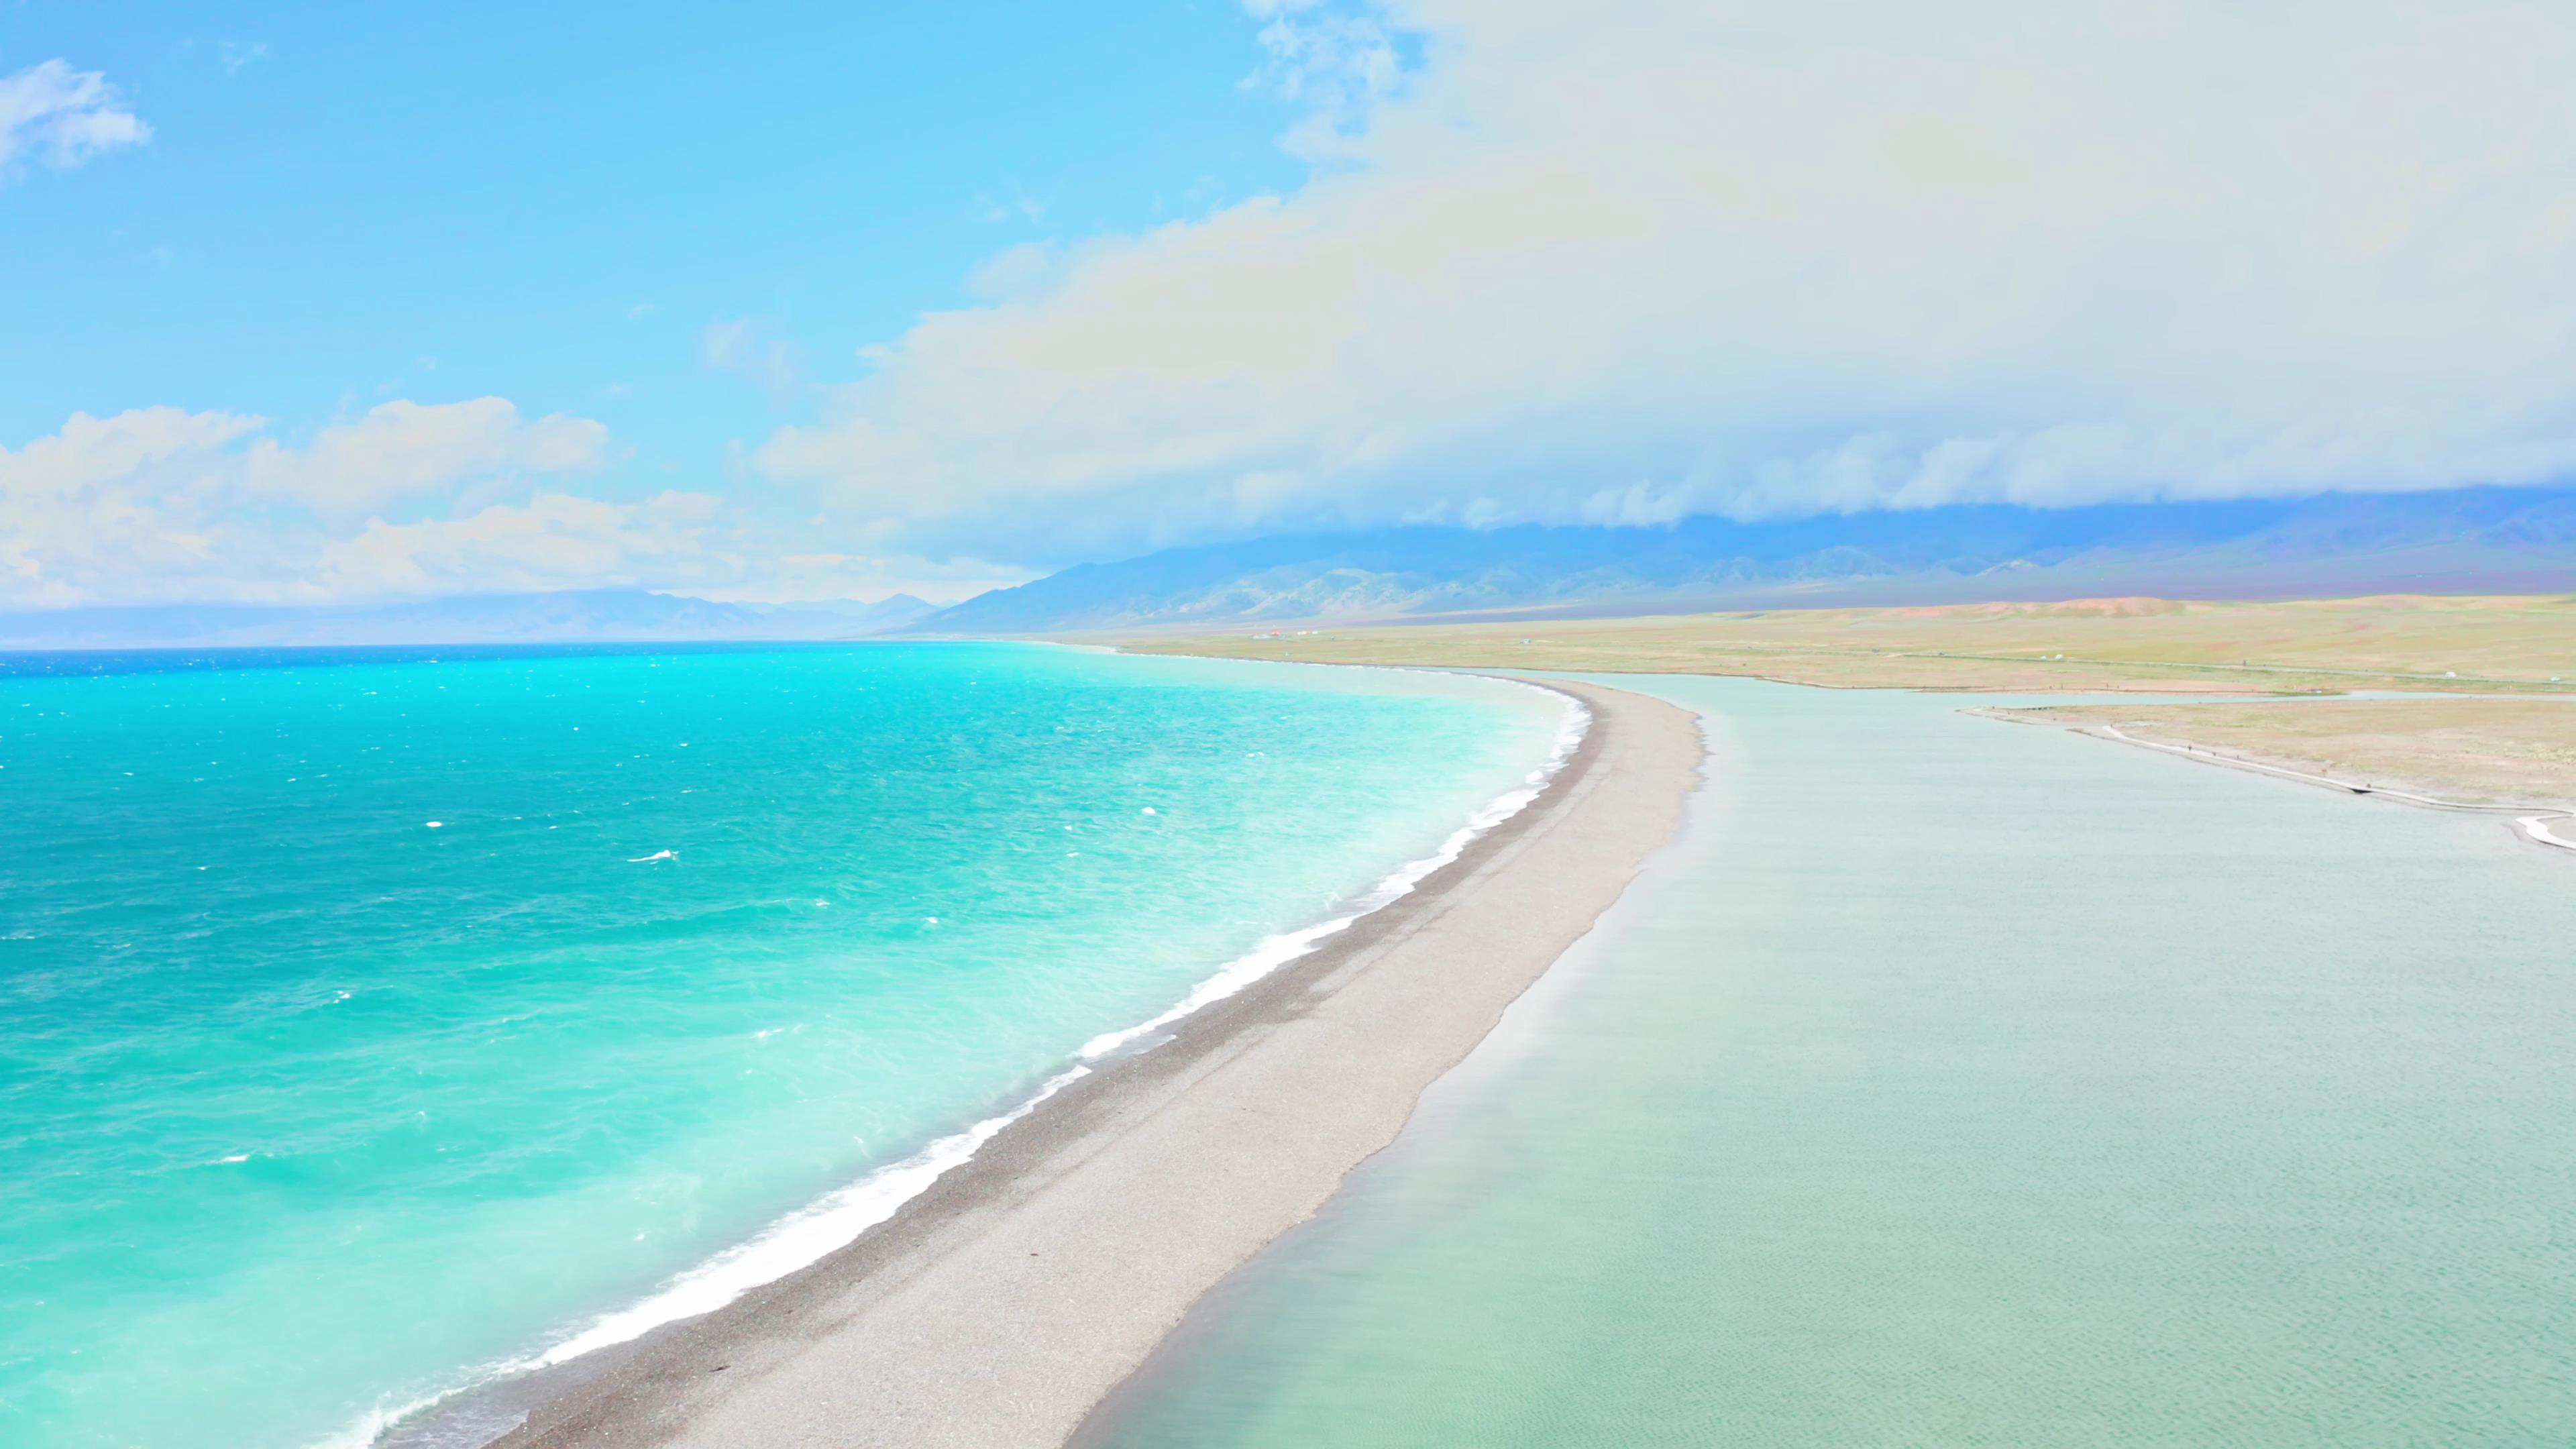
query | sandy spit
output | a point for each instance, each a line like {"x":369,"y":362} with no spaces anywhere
{"x":998,"y":1307}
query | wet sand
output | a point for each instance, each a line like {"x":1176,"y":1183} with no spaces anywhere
{"x":998,"y":1307}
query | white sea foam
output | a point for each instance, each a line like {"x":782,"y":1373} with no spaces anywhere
{"x":792,"y":1242}
{"x":816,"y":1230}
{"x":374,"y":1422}
{"x":1276,"y":951}
{"x":802,"y":1237}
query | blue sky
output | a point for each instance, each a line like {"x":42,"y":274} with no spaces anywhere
{"x":818,"y":301}
{"x":341,"y":205}
{"x":332,"y":194}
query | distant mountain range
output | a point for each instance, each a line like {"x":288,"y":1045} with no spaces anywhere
{"x":2481,"y":540}
{"x":585,"y":614}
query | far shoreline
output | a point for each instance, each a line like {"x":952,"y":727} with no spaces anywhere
{"x":2541,"y":823}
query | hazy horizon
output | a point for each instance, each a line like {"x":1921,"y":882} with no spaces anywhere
{"x":2462,"y":541}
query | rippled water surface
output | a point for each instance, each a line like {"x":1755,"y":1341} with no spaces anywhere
{"x":371,"y":1019}
{"x":1966,"y":1084}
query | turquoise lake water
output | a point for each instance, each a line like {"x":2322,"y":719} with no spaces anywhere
{"x":311,"y":1110}
{"x":1959,"y":1084}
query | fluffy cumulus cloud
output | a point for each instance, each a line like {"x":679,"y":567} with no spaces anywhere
{"x":107,"y":502}
{"x":1673,"y":256}
{"x":60,"y":117}
{"x":165,"y":504}
{"x":403,"y":450}
{"x":553,"y":541}
{"x":162,"y":505}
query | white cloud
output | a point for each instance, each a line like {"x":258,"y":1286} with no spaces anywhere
{"x":742,"y":345}
{"x":553,"y":541}
{"x":161,"y":505}
{"x":165,"y":504}
{"x":1018,"y":205}
{"x":402,"y":450}
{"x":695,"y":542}
{"x":1338,"y":63}
{"x":1662,"y":258}
{"x":109,"y":501}
{"x":62,"y":117}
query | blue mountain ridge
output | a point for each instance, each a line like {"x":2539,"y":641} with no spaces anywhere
{"x":2475,"y":540}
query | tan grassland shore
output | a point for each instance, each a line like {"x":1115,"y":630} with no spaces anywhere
{"x":2477,"y":750}
{"x":2506,"y":643}
{"x":999,"y":1306}
{"x":2485,"y":712}
{"x":2512,"y":759}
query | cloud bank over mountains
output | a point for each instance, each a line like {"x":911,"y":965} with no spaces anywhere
{"x":1630,"y":263}
{"x":1606,"y":265}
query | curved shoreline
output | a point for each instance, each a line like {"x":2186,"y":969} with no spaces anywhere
{"x":831,"y":1222}
{"x":996,"y":1307}
{"x":2534,"y":822}
{"x":476,"y":1413}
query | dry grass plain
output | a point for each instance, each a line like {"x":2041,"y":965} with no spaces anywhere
{"x":2475,"y":751}
{"x":2155,"y":645}
{"x":2516,"y":739}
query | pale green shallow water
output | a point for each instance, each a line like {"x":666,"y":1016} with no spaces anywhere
{"x":1964,"y":1084}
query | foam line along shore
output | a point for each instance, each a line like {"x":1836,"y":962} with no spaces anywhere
{"x":999,"y":1305}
